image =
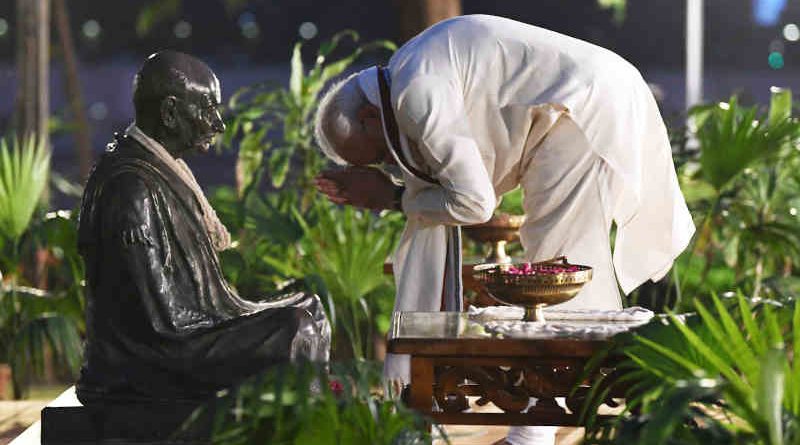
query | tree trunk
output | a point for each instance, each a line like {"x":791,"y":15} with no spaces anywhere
{"x":33,"y":54}
{"x":417,"y":15}
{"x":17,"y":387}
{"x":83,"y":139}
{"x":5,"y":381}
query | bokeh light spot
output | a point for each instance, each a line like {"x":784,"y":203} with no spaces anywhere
{"x":183,"y":29}
{"x":768,"y":12}
{"x":245,"y":18}
{"x":248,"y":25}
{"x":791,"y":32}
{"x":251,"y":30}
{"x":91,"y":29}
{"x":98,"y":111}
{"x":308,"y":30}
{"x":775,"y":60}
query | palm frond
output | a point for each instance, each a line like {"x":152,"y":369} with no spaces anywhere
{"x":732,"y":137}
{"x":23,"y":177}
{"x":346,"y":249}
{"x":738,"y":347}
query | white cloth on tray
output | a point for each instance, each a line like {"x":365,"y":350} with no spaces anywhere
{"x":633,"y":314}
{"x":548,"y":330}
{"x":507,"y":321}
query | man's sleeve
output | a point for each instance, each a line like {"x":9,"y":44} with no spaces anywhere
{"x":430,"y":111}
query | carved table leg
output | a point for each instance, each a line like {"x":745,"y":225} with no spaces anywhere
{"x":421,"y":397}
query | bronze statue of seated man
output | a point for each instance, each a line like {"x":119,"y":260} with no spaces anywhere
{"x":162,"y":322}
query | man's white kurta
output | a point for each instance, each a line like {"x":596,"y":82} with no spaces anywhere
{"x":464,"y":94}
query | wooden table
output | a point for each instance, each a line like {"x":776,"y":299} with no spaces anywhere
{"x":453,"y":357}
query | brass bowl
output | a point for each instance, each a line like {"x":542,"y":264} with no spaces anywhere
{"x":533,"y":292}
{"x":499,"y":230}
{"x":501,"y":227}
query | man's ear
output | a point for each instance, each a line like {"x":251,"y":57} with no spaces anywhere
{"x":169,"y":112}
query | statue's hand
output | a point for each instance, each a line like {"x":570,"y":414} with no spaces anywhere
{"x":366,"y":187}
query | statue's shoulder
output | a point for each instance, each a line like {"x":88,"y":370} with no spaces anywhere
{"x":125,"y":156}
{"x":120,"y":184}
{"x":124,"y":148}
{"x":125,"y":168}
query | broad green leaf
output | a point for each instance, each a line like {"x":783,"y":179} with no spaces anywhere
{"x":511,"y":203}
{"x":733,"y":137}
{"x":665,"y":421}
{"x":732,"y":339}
{"x":674,"y":356}
{"x":231,"y":130}
{"x":618,"y":7}
{"x":296,"y":77}
{"x":772,"y":328}
{"x":24,"y":172}
{"x":769,"y":393}
{"x":780,"y":106}
{"x":719,"y":364}
{"x":753,"y":331}
{"x":327,"y":47}
{"x":730,"y":251}
{"x":704,"y":236}
{"x":696,"y":190}
{"x":251,"y":156}
{"x":279,"y":162}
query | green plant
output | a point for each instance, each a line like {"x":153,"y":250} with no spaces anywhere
{"x":31,"y":321}
{"x":743,"y":183}
{"x":345,"y":249}
{"x":618,"y":7}
{"x":25,"y":168}
{"x":725,"y":374}
{"x":29,"y":317}
{"x":512,"y":203}
{"x":336,"y":252}
{"x":305,"y":405}
{"x":733,"y":137}
{"x":56,"y":236}
{"x":265,"y":253}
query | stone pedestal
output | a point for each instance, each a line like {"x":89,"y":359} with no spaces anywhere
{"x":122,"y":424}
{"x":66,"y":422}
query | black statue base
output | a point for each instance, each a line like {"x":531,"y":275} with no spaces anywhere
{"x":124,"y":424}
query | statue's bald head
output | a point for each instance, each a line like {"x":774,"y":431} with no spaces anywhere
{"x":177,"y":99}
{"x":171,"y":73}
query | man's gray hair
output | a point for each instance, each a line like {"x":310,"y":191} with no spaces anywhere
{"x":337,"y":114}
